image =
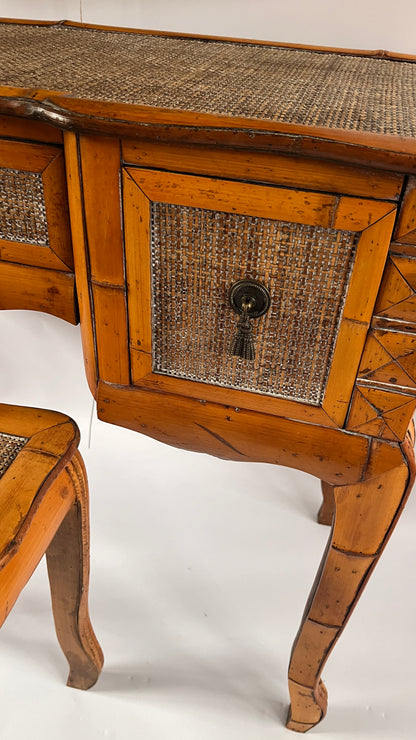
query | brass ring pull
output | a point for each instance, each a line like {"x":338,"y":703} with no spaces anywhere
{"x":250,"y":299}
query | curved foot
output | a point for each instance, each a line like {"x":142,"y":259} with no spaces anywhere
{"x":306,"y":704}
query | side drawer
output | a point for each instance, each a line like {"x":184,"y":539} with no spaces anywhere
{"x":35,"y":230}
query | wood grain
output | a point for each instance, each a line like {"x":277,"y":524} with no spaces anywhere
{"x":235,"y":197}
{"x":100,"y":168}
{"x":37,"y":289}
{"x":267,"y":167}
{"x":81,"y":259}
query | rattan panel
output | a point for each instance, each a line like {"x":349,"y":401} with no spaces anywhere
{"x":224,"y":78}
{"x":197,"y":254}
{"x":10,"y":447}
{"x":22,"y":207}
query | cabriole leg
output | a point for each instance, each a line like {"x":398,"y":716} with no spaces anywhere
{"x":365,"y":514}
{"x":68,"y":570}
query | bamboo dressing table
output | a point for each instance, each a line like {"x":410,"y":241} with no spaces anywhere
{"x":239,"y":219}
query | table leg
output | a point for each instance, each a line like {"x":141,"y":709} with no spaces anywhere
{"x":365,"y":515}
{"x":327,"y":510}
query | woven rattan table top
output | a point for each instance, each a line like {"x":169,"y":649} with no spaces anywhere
{"x":219,"y":77}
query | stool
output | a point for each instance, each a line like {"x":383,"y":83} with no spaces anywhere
{"x":44,"y":509}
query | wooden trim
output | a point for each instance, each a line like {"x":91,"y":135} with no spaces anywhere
{"x":21,"y":128}
{"x":370,"y":153}
{"x":333,"y":455}
{"x":80,"y":259}
{"x":56,"y":207}
{"x":110,"y":312}
{"x":138,"y":271}
{"x":148,"y":115}
{"x":30,"y":254}
{"x":354,"y":214}
{"x":236,"y":197}
{"x":100,"y":167}
{"x":204,"y":392}
{"x":37,"y":289}
{"x":406,"y":224}
{"x":24,"y":421}
{"x":372,"y":249}
{"x":46,"y":519}
{"x":26,"y":157}
{"x":344,"y":366}
{"x":359,"y":305}
{"x":267,"y":167}
{"x":48,"y":162}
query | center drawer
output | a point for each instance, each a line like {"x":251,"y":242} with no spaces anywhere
{"x":320,"y":256}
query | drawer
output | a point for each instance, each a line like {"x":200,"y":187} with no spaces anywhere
{"x":189,"y":239}
{"x":34,"y":220}
{"x":36,"y":263}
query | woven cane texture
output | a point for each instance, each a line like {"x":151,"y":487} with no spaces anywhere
{"x":10,"y":447}
{"x":219,"y":77}
{"x":197,"y":254}
{"x":22,"y":207}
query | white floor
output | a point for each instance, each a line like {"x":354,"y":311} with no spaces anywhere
{"x":200,"y":571}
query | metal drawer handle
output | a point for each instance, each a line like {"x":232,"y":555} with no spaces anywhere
{"x":250,"y":299}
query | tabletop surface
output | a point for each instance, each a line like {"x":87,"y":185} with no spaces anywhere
{"x":227,"y":78}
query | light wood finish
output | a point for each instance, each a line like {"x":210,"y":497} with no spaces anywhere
{"x":20,"y":128}
{"x":374,"y":219}
{"x":327,"y":511}
{"x":238,"y":434}
{"x":103,"y":117}
{"x":236,"y":197}
{"x":110,"y":311}
{"x":406,"y":225}
{"x":48,"y":162}
{"x":37,"y":289}
{"x":100,"y":170}
{"x":365,"y":515}
{"x":119,"y":158}
{"x":68,"y":569}
{"x":44,"y":508}
{"x":271,"y":167}
{"x":380,"y":412}
{"x":79,"y":242}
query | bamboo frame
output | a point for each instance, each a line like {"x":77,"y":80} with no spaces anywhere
{"x":375,"y":219}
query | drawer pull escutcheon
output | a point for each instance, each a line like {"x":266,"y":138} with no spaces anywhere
{"x":250,"y":299}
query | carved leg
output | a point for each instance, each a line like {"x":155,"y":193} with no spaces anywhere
{"x":327,"y":510}
{"x":365,"y":516}
{"x":68,"y":569}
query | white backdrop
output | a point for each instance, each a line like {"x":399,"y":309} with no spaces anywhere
{"x":200,"y":568}
{"x":357,"y":23}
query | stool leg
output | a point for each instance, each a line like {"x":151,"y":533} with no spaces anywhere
{"x":365,"y":514}
{"x":327,"y":510}
{"x":68,"y":570}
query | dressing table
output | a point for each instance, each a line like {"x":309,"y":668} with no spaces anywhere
{"x":233,"y":223}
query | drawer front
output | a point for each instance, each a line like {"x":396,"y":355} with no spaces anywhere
{"x":198,"y":254}
{"x":34,"y":221}
{"x":321,"y":257}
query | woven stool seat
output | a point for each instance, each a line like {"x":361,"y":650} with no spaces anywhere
{"x":44,"y":509}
